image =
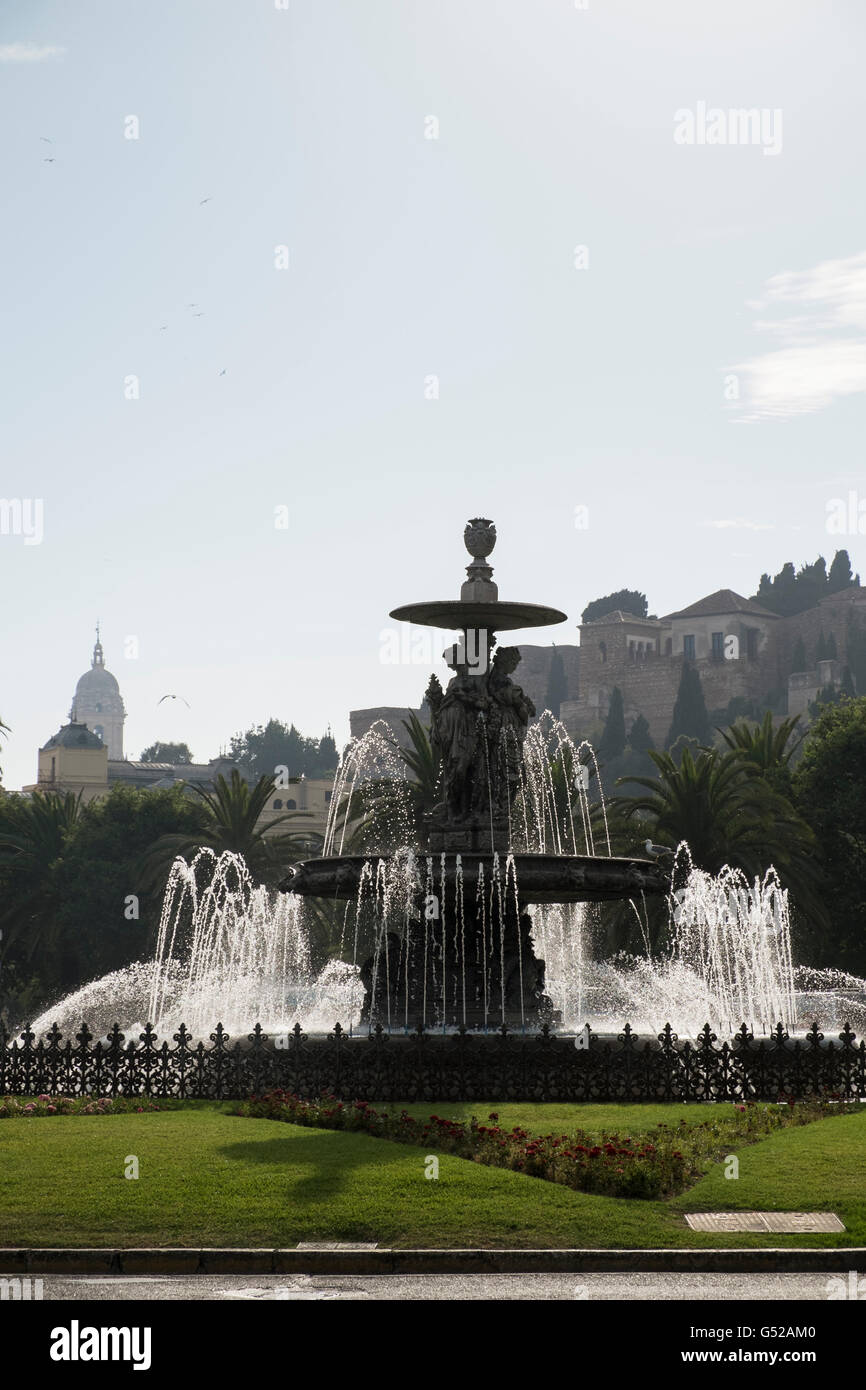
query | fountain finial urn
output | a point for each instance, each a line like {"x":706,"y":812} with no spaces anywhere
{"x":479,"y":537}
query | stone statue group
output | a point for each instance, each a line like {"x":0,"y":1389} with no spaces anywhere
{"x":478,"y":727}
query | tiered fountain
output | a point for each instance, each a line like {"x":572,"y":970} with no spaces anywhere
{"x":452,"y":926}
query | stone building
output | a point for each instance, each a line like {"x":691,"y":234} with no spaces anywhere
{"x":739,"y":648}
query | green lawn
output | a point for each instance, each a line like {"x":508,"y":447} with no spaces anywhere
{"x":210,"y":1178}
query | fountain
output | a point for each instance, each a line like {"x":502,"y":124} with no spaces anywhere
{"x":451,"y":921}
{"x":471,"y":917}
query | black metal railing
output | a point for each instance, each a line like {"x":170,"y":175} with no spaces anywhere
{"x":425,"y":1066}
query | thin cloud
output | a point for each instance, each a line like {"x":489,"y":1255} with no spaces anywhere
{"x":816,"y":321}
{"x":29,"y":52}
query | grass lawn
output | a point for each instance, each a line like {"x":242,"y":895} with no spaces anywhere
{"x":210,"y":1178}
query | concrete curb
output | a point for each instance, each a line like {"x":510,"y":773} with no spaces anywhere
{"x":753,"y":1260}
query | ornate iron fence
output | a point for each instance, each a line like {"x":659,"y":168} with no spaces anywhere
{"x":428,"y":1066}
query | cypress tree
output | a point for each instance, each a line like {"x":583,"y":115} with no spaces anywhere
{"x":841,"y":576}
{"x":612,"y":742}
{"x":557,"y":685}
{"x":640,"y":737}
{"x":690,"y":711}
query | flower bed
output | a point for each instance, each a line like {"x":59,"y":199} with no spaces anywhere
{"x":615,"y":1165}
{"x":18,"y":1107}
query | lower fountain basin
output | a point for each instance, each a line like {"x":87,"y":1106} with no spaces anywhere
{"x":541,"y":878}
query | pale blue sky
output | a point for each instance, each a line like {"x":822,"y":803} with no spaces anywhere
{"x":559,"y":387}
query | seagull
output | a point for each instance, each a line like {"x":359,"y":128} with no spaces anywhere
{"x":199,"y":315}
{"x":49,"y":161}
{"x":192,"y":306}
{"x":203,"y":201}
{"x":163,"y":327}
{"x":656,"y":851}
{"x":173,"y":697}
{"x":222,"y":373}
{"x":45,"y":140}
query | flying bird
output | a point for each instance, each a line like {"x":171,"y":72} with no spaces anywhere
{"x":222,"y":373}
{"x":203,"y":201}
{"x":45,"y":140}
{"x":173,"y":697}
{"x":49,"y":161}
{"x":199,"y":315}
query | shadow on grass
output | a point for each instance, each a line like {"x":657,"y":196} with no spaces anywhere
{"x":319,"y":1163}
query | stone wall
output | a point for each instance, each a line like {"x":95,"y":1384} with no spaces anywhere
{"x":533,"y":673}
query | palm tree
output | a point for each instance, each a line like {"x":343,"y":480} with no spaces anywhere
{"x":729,"y":814}
{"x":31,"y":845}
{"x":232,"y":820}
{"x":770,"y":748}
{"x":425,"y":764}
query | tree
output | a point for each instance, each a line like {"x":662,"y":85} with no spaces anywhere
{"x":167,"y":753}
{"x":628,"y":600}
{"x":798,"y":656}
{"x":811,"y":584}
{"x":857,"y":653}
{"x":779,"y":594}
{"x":557,"y":685}
{"x":612,"y":743}
{"x":640,"y":737}
{"x":73,"y":902}
{"x":33,"y":837}
{"x":690,"y":711}
{"x":841,"y":575}
{"x":728,"y":813}
{"x":327,"y":752}
{"x":265,"y":747}
{"x":770,"y":748}
{"x":828,"y":791}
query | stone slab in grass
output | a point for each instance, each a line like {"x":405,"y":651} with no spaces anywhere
{"x":337,"y":1245}
{"x":778,"y":1222}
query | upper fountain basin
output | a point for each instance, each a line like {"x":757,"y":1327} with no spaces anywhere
{"x":541,"y":878}
{"x":457,"y":615}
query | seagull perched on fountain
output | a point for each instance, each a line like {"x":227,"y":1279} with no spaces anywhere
{"x":656,"y":851}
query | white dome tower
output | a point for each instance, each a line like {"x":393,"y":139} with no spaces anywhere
{"x":98,"y":704}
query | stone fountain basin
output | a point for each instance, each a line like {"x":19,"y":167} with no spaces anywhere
{"x":541,"y":878}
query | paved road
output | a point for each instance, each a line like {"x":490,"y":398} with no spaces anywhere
{"x":292,"y":1287}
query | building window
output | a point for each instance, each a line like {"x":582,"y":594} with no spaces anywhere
{"x":328,"y":796}
{"x":718,"y":646}
{"x":278,"y":805}
{"x":689,"y":647}
{"x":602,"y":651}
{"x":291,"y":806}
{"x":669,"y":646}
{"x":752,"y":643}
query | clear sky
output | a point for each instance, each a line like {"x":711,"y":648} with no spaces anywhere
{"x":695,"y":377}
